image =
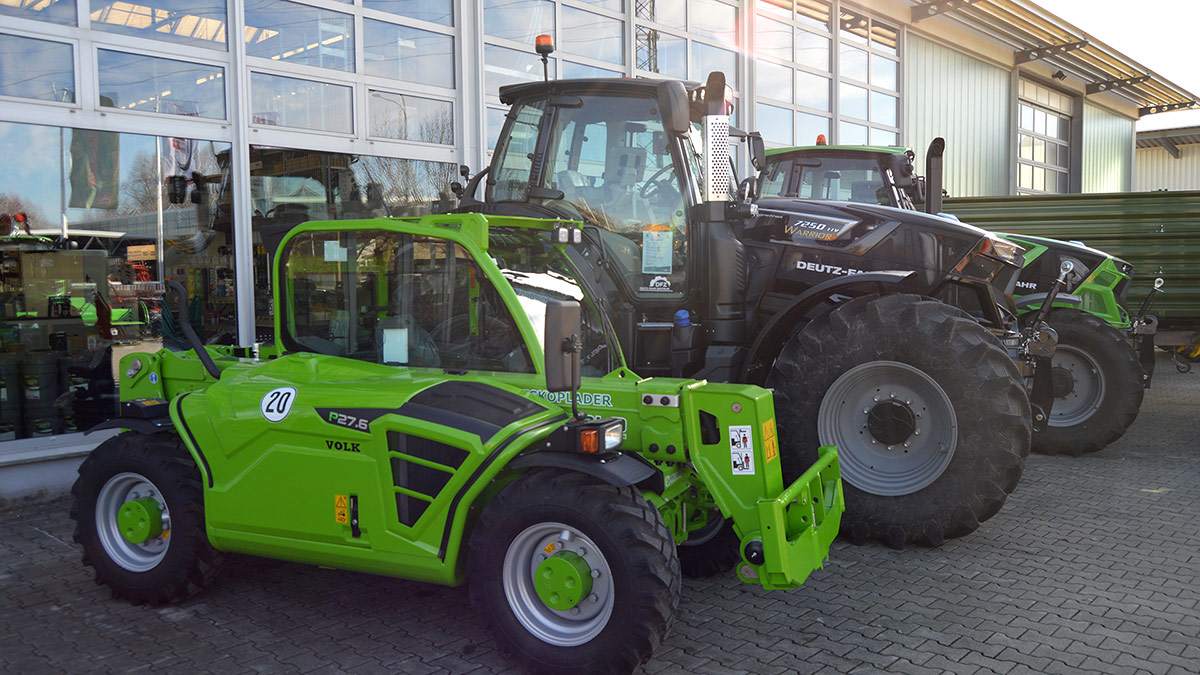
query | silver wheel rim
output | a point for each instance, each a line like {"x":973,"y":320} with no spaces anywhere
{"x":877,"y":467}
{"x":119,"y":489}
{"x":1087,"y":392}
{"x":566,"y":628}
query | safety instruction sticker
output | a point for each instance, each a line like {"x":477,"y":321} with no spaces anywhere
{"x":770,"y":444}
{"x":656,"y":252}
{"x":341,"y":509}
{"x":741,"y":449}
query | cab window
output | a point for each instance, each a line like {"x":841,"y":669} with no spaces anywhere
{"x":396,"y":299}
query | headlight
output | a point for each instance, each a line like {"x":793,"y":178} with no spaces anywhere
{"x":1003,"y":249}
{"x":592,"y":434}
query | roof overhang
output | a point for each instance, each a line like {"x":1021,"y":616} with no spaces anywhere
{"x":1035,"y":34}
{"x":1169,"y":139}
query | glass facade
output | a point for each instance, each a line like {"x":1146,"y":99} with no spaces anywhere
{"x":1043,"y":139}
{"x":344,"y":109}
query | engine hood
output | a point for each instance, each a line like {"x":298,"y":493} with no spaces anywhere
{"x":858,"y":211}
{"x":1092,"y":255}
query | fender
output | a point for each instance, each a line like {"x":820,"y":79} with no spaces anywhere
{"x":772,"y":336}
{"x":619,"y":470}
{"x":143,"y":415}
{"x":1034,"y":300}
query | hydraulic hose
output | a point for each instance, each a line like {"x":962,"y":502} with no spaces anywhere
{"x":186,"y":324}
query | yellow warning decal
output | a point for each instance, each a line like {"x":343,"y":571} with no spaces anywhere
{"x":769,"y":441}
{"x":549,"y":549}
{"x":340,"y":509}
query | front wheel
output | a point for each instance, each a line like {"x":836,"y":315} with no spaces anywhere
{"x":139,"y":516}
{"x":929,"y":414}
{"x":1098,"y":386}
{"x":574,"y":575}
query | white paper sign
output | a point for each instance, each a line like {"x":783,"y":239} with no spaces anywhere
{"x":656,"y":252}
{"x":741,"y":450}
{"x":333,"y":252}
{"x":395,"y":345}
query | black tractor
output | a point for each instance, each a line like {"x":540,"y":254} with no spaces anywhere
{"x":875,"y":327}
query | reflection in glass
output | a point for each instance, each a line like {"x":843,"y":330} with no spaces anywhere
{"x":193,"y":22}
{"x":881,"y":137}
{"x":808,"y":127}
{"x":495,"y":122}
{"x":706,"y":58}
{"x":291,"y":102}
{"x":434,"y":11}
{"x":138,"y":234}
{"x":520,"y":20}
{"x":660,"y":52}
{"x":411,"y":118}
{"x":672,"y":13}
{"x":852,"y":100}
{"x":612,"y":5}
{"x":774,"y":81}
{"x":883,"y":109}
{"x":295,"y":33}
{"x":813,"y":13}
{"x":53,"y":11}
{"x":884,"y":37}
{"x":853,"y":63}
{"x":588,"y":34}
{"x":573,"y":71}
{"x":137,"y":82}
{"x":853,"y":26}
{"x":852,"y":134}
{"x":405,"y":53}
{"x":715,"y":20}
{"x":812,"y":91}
{"x":883,"y":72}
{"x":503,"y":66}
{"x":37,"y":69}
{"x":812,"y":50}
{"x":774,"y":39}
{"x":775,"y":124}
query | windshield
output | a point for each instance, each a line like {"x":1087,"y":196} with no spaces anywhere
{"x":848,"y":179}
{"x":539,"y":272}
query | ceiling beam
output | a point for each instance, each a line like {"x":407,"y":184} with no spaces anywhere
{"x":1166,"y":107}
{"x":1170,"y":147}
{"x":928,"y":9}
{"x":1108,"y":85}
{"x":1035,"y":53}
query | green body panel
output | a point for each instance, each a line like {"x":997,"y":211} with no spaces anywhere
{"x":880,"y":149}
{"x":274,"y":488}
{"x":1157,"y":232}
{"x":1098,"y":290}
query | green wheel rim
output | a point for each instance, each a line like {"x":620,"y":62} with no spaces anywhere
{"x":118,"y":504}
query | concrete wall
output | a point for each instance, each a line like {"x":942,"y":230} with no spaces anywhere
{"x":1158,"y":170}
{"x":965,"y":100}
{"x":1107,"y":151}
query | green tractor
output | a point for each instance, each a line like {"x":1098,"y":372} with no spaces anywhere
{"x":445,"y":401}
{"x":1098,"y":378}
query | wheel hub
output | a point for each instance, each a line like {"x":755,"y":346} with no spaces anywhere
{"x":139,"y":520}
{"x":562,"y":580}
{"x":891,"y":422}
{"x":1064,"y":382}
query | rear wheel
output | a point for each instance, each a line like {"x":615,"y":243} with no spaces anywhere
{"x":573,"y":574}
{"x":928,"y":411}
{"x":1098,"y":386}
{"x":139,"y":516}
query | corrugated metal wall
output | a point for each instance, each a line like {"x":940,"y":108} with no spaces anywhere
{"x":1107,"y":150}
{"x":1158,"y":170}
{"x":966,"y":101}
{"x":1156,"y":231}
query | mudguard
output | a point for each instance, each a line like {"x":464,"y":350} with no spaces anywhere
{"x":617,"y":469}
{"x":1034,"y":300}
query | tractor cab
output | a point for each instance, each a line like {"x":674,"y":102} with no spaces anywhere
{"x":879,"y":175}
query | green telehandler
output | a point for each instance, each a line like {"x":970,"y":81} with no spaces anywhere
{"x":445,"y":401}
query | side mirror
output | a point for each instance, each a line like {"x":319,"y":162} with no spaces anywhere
{"x":758,"y":152}
{"x":562,"y":346}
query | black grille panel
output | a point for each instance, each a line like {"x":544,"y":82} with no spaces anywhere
{"x":410,"y":509}
{"x":418,"y":477}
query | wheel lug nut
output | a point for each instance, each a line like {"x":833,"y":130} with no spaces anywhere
{"x":593,"y":598}
{"x":582,"y":551}
{"x":595,"y":574}
{"x":866,"y":411}
{"x":906,"y":444}
{"x":875,"y":398}
{"x":575,"y":611}
{"x":916,"y":432}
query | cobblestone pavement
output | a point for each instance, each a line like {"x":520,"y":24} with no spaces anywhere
{"x":1093,"y":566}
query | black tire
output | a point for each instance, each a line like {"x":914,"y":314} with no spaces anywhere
{"x":963,"y":370}
{"x":628,"y":533}
{"x":1097,"y":382}
{"x":712,"y":552}
{"x":187,"y":562}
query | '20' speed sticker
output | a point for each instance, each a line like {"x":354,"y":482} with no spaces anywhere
{"x":278,"y":403}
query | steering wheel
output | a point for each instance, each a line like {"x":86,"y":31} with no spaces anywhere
{"x":652,"y":187}
{"x":497,"y":343}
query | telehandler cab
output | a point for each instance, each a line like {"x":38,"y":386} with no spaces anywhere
{"x":425,"y":413}
{"x":870,"y":324}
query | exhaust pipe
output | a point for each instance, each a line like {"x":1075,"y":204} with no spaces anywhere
{"x":933,"y":176}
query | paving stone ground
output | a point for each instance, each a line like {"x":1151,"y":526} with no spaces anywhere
{"x":1092,"y":566}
